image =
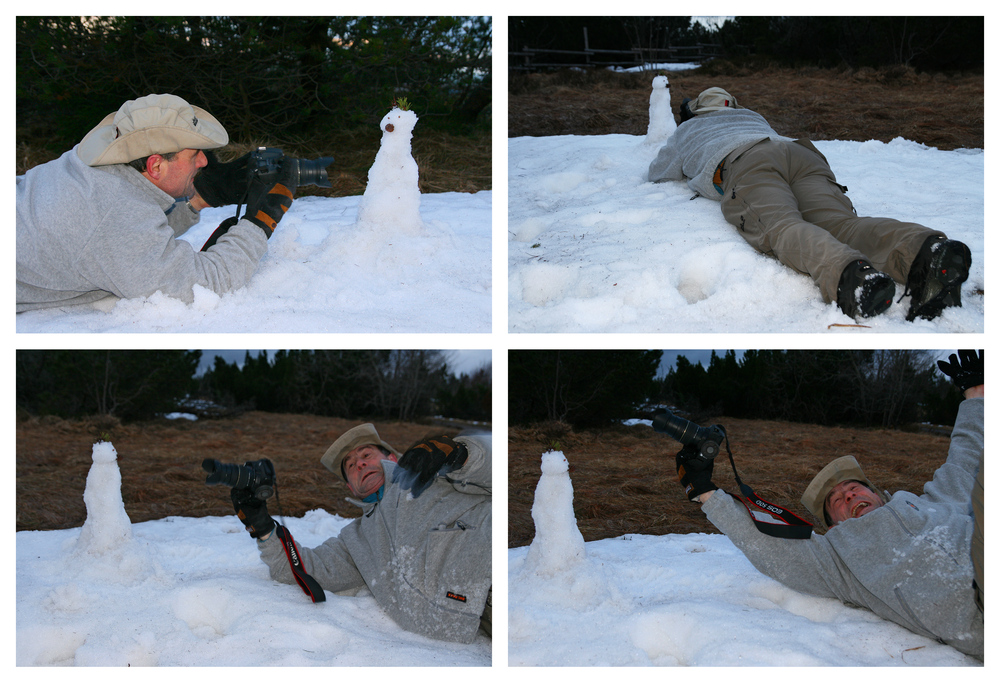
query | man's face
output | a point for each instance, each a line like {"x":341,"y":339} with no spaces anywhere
{"x":176,"y":176}
{"x":363,"y":469}
{"x":850,"y":499}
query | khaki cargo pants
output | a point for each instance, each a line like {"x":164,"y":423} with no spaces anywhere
{"x":785,"y":201}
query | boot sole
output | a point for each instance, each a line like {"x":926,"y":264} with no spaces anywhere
{"x":944,"y":289}
{"x":880,"y":299}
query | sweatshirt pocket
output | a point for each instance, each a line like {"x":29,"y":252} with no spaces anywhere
{"x":450,"y":567}
{"x":444,"y":547}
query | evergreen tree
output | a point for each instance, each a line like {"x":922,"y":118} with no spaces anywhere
{"x":468,"y":396}
{"x":925,"y":43}
{"x":130,"y":385}
{"x":367,"y":383}
{"x":860,"y":387}
{"x":583,"y":388}
{"x":278,"y":77}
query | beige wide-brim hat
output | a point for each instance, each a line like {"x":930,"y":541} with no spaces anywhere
{"x":362,"y":435}
{"x":845,"y":468}
{"x":155,"y":124}
{"x":712,"y":99}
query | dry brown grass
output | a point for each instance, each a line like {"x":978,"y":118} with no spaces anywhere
{"x":942,"y":111}
{"x":447,"y":163}
{"x":160,"y":463}
{"x":625,"y":481}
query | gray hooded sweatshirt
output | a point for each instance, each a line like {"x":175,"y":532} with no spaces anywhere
{"x":85,"y":233}
{"x":426,"y":560}
{"x":699,"y":145}
{"x":908,"y":561}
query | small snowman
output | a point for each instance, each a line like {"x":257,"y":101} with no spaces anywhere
{"x":108,"y":527}
{"x":391,"y":203}
{"x":558,"y":544}
{"x":661,"y":118}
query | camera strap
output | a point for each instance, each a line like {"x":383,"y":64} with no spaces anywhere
{"x":308,"y":584}
{"x":225,"y":225}
{"x":769,"y":518}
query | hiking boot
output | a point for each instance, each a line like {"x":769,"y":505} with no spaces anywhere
{"x":936,"y":277}
{"x":864,"y":292}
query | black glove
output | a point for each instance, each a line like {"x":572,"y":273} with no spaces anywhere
{"x":220,"y":183}
{"x":252,"y":512}
{"x":965,"y":369}
{"x":694,"y":473}
{"x":266,"y":208}
{"x":425,"y":460}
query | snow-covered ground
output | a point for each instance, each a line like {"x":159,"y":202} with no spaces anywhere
{"x":320,"y":274}
{"x":409,"y":263}
{"x":193,"y":592}
{"x":677,"y":600}
{"x":594,"y":247}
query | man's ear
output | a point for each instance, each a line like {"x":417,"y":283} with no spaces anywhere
{"x":154,"y":166}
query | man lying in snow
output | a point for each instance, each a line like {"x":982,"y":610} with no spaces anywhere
{"x":102,"y":219}
{"x":785,"y":201}
{"x":422,"y":545}
{"x":914,"y":560}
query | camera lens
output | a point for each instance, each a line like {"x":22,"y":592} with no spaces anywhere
{"x":234,"y":476}
{"x":705,"y":439}
{"x":313,"y":172}
{"x":678,"y":428}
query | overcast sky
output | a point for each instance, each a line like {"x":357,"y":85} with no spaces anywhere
{"x":696,"y":356}
{"x":712,"y":22}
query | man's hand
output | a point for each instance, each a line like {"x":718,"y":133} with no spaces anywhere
{"x":694,"y":473}
{"x":219,"y":183}
{"x":965,"y":370}
{"x":266,"y":209}
{"x":425,"y":460}
{"x":252,"y":512}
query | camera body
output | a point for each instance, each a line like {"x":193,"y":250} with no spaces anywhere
{"x":265,"y":163}
{"x":686,"y":114}
{"x":257,"y":476}
{"x":707,"y":440}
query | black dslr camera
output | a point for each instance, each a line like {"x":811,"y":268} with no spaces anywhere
{"x":707,"y":440}
{"x":686,"y":114}
{"x":257,"y":476}
{"x":265,"y":163}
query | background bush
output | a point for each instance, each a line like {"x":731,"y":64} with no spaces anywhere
{"x":133,"y":385}
{"x":282,"y":78}
{"x":923,"y":43}
{"x":864,"y":388}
